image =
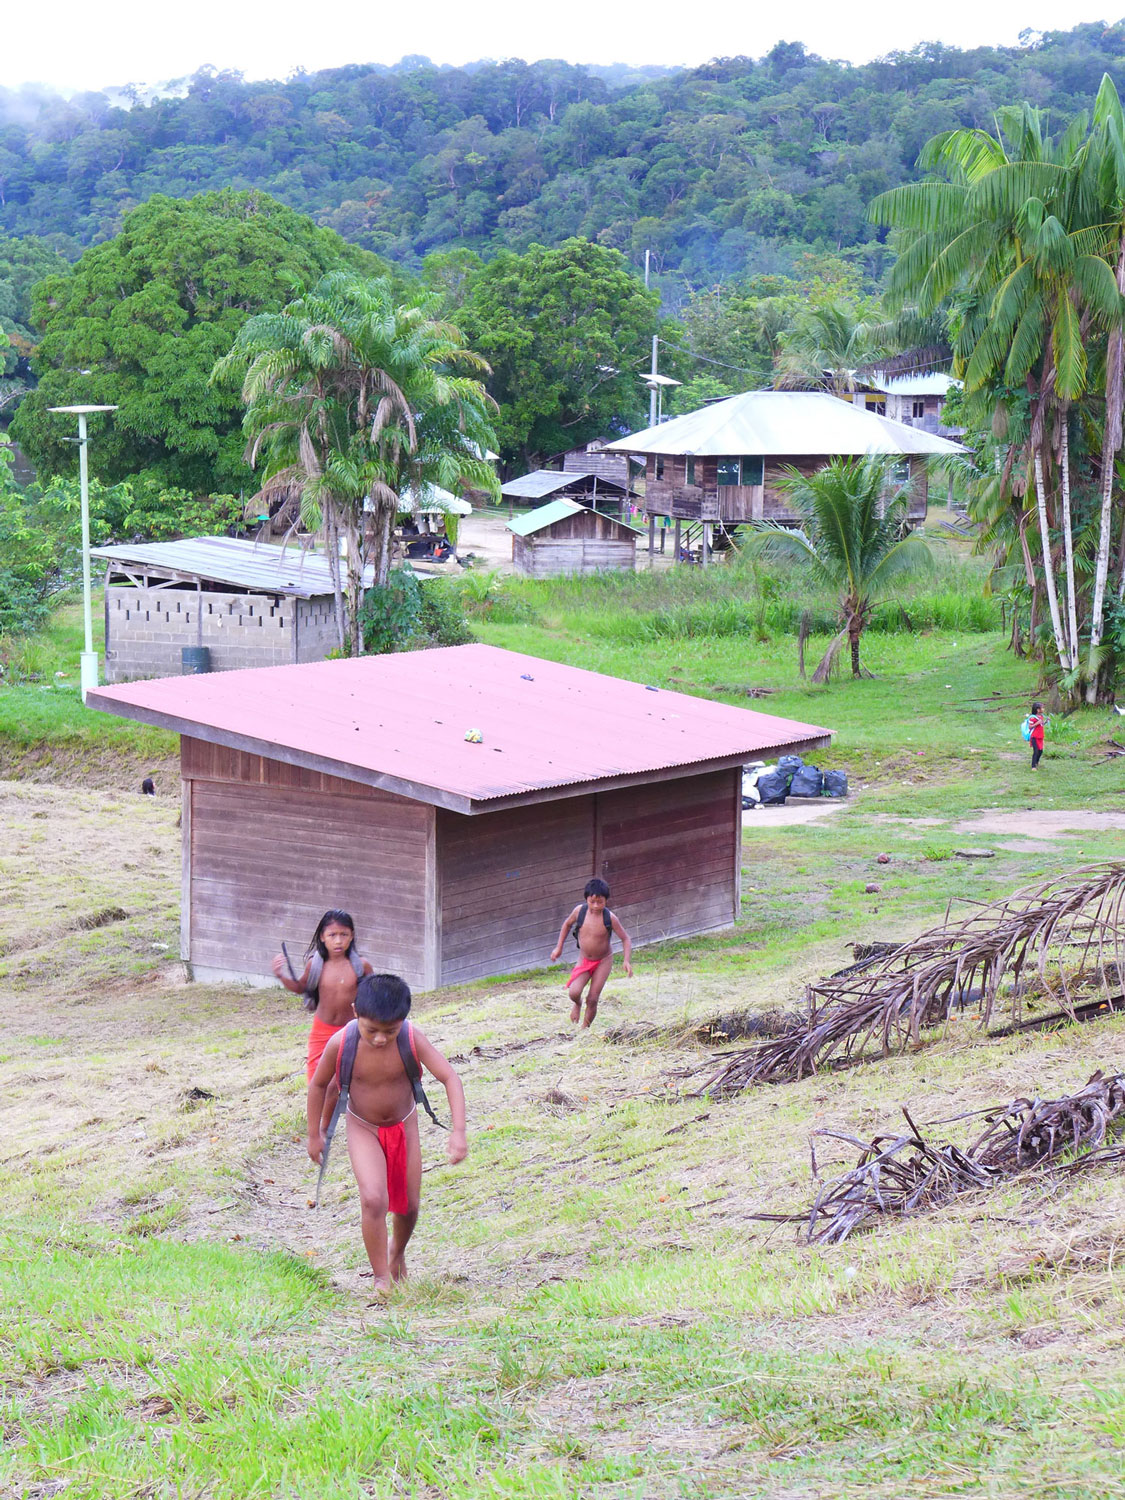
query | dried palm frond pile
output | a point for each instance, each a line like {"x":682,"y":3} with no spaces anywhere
{"x":897,"y":1176}
{"x":1060,"y":939}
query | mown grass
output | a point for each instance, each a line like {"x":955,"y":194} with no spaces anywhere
{"x":592,"y":1312}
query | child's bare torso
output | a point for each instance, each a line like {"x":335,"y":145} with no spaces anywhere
{"x":380,"y":1090}
{"x":593,"y":935}
{"x":336,"y":991}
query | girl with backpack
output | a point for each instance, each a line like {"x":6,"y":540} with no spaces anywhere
{"x":333,"y":969}
{"x":1033,"y":727}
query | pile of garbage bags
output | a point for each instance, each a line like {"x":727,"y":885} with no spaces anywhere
{"x":768,"y":786}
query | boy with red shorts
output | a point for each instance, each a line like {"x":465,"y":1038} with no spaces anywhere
{"x":382,"y":1119}
{"x":593,"y":927}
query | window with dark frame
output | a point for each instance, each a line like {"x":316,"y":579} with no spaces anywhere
{"x":728,"y":471}
{"x":689,"y":476}
{"x":917,"y":409}
{"x":753,"y":470}
{"x":658,"y":467}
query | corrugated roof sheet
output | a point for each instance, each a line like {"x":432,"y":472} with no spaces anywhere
{"x":545,"y":515}
{"x":558,"y":510}
{"x":934,"y":383}
{"x":400,"y":721}
{"x":252,"y":566}
{"x":783,"y":423}
{"x":545,"y":482}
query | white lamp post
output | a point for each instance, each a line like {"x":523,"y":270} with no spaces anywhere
{"x":89,"y":670}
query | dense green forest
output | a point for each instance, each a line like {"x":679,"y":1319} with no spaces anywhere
{"x":724,"y":171}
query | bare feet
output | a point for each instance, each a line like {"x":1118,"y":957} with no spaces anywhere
{"x":398,"y":1265}
{"x":576,"y":1010}
{"x":381,"y":1288}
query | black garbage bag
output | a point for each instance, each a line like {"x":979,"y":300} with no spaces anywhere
{"x":835,"y":783}
{"x":807,"y":782}
{"x":772,"y":786}
{"x":789,"y":765}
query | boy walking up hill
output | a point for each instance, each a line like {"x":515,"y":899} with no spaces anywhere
{"x":594,"y":924}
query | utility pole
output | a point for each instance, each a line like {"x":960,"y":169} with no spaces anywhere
{"x":648,"y":256}
{"x":654,"y":388}
{"x":88,"y":671}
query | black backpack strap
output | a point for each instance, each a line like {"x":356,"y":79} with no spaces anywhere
{"x":345,"y":1063}
{"x":413,"y":1069}
{"x":582,"y":910}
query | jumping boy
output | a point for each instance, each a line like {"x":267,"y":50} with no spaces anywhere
{"x":382,"y":1119}
{"x":593,"y":925}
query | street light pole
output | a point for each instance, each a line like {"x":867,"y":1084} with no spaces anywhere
{"x":88,"y":674}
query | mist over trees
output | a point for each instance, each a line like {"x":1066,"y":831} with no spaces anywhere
{"x":725,"y":171}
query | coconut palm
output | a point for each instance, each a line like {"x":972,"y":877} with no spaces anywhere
{"x":825,"y":349}
{"x":352,"y":398}
{"x":854,"y":537}
{"x":1013,"y":231}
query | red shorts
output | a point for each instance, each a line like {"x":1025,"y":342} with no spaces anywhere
{"x":583,"y":967}
{"x":319,"y":1037}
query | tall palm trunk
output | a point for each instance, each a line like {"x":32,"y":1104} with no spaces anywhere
{"x":1048,"y":564}
{"x":1068,"y":538}
{"x":332,"y":543}
{"x":1111,"y":442}
{"x":381,"y":539}
{"x":353,"y":542}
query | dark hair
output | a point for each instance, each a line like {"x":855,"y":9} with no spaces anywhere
{"x":596,"y":887}
{"x":382,"y":997}
{"x":337,"y":918}
{"x":1037,"y":708}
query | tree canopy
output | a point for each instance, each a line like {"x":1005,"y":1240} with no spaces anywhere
{"x":140,"y":321}
{"x":566,"y":331}
{"x":725,"y":170}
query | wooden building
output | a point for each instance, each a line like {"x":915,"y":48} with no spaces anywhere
{"x":724,"y":464}
{"x":593,"y":458}
{"x":248,"y":604}
{"x":565,"y":537}
{"x":351,"y":784}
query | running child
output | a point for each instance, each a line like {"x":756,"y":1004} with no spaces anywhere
{"x":593,"y":925}
{"x":382,"y":1119}
{"x":1036,"y":724}
{"x":333,"y":968}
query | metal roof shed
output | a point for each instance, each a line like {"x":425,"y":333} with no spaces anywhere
{"x":248,"y":604}
{"x":565,"y":537}
{"x":351,"y":783}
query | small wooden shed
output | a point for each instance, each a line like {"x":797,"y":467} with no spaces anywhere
{"x":565,"y":537}
{"x":351,"y":784}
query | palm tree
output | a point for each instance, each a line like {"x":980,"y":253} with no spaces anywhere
{"x":1013,"y":233}
{"x":854,"y":538}
{"x":353,"y":398}
{"x":825,"y":348}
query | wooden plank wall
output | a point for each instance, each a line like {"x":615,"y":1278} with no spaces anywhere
{"x":507,"y":880}
{"x":548,"y":558}
{"x":272,"y":846}
{"x":668,"y":851}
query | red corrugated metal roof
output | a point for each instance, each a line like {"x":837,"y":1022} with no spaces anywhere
{"x":400,"y":722}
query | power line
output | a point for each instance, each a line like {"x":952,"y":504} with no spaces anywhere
{"x":706,"y":358}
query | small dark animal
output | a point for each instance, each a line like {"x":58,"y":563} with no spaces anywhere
{"x":148,"y":787}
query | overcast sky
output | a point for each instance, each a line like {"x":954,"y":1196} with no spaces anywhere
{"x":87,"y":46}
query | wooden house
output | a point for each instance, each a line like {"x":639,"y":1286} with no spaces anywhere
{"x":352,"y":784}
{"x":915,"y":399}
{"x":246,"y":604}
{"x":724,"y":464}
{"x":565,"y":537}
{"x":594,"y":458}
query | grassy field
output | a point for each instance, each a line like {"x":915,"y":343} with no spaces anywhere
{"x":592,"y":1312}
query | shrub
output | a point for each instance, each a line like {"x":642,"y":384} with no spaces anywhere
{"x":403,"y":614}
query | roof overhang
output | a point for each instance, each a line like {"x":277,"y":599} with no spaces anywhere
{"x":419,"y":792}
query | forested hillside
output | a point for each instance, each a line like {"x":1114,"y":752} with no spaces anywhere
{"x":727,"y":170}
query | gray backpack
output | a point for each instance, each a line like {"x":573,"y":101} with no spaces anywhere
{"x":311,"y":997}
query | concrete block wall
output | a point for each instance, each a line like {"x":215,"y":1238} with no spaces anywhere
{"x":146,"y":629}
{"x":316,"y":628}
